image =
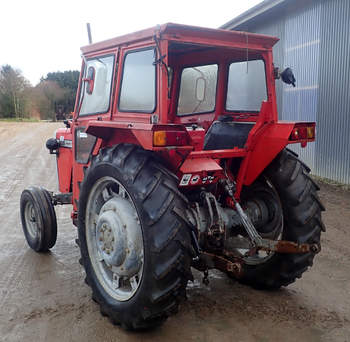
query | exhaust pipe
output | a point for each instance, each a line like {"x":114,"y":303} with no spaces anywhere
{"x":89,"y":32}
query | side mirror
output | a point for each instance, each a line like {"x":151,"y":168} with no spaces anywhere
{"x":90,"y":79}
{"x":288,"y":76}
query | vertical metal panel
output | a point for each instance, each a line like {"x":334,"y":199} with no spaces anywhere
{"x":301,"y":43}
{"x":315,"y":42}
{"x":333,"y":146}
{"x":274,"y":28}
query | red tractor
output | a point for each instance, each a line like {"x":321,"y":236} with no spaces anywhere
{"x":175,"y":158}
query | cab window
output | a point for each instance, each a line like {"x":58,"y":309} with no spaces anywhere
{"x":138,"y":88}
{"x":246,"y":87}
{"x":198,"y":89}
{"x":96,"y":86}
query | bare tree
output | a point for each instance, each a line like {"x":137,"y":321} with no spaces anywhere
{"x":12,"y":86}
{"x":46,"y":94}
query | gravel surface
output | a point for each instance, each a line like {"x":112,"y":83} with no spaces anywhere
{"x":43,"y":296}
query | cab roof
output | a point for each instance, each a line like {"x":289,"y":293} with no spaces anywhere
{"x":189,"y":34}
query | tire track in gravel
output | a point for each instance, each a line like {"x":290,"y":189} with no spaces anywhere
{"x":17,"y":158}
{"x":20,"y":170}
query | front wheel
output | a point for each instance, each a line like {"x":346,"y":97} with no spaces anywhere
{"x":135,"y":249}
{"x":294,"y":215}
{"x":38,"y":219}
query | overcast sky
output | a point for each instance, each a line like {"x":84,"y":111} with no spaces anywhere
{"x":38,"y":36}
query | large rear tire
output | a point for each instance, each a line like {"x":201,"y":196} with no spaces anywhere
{"x":132,"y":198}
{"x":302,"y":223}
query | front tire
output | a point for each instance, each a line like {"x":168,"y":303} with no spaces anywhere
{"x":302,"y":223}
{"x":38,"y":219}
{"x":137,"y":200}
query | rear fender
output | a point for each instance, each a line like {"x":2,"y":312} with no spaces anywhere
{"x":137,"y":133}
{"x":122,"y":132}
{"x":274,"y":139}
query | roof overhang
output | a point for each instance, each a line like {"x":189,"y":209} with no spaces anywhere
{"x":190,"y":34}
{"x":253,"y":12}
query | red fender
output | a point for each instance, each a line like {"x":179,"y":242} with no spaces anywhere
{"x":274,"y":139}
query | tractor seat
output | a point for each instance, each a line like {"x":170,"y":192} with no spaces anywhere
{"x":226,"y":134}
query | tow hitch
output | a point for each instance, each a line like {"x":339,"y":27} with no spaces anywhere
{"x":257,"y":242}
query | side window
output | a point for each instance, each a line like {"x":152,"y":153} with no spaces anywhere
{"x":138,"y":88}
{"x":97,"y":84}
{"x":198,"y":89}
{"x":246,"y":87}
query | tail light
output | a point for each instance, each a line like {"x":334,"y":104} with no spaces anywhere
{"x":303,"y":132}
{"x":170,"y":138}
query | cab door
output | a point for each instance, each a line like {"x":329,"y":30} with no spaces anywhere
{"x":95,"y":102}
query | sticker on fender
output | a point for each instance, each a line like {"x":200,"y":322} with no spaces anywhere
{"x":185,"y":179}
{"x":195,"y":179}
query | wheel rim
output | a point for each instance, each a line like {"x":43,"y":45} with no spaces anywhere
{"x":114,"y":238}
{"x":275,"y":209}
{"x":31,"y":220}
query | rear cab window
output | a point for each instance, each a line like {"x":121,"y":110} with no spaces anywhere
{"x":197,"y":90}
{"x":246,"y":88}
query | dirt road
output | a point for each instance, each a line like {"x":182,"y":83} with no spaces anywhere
{"x":44,"y":298}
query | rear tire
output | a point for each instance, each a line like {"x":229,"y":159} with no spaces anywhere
{"x":38,"y":219}
{"x":152,"y":192}
{"x":302,"y":223}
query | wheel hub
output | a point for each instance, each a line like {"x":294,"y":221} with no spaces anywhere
{"x":30,"y":216}
{"x":111,"y":238}
{"x":118,"y":237}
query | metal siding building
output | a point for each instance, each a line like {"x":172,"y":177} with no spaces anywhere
{"x":315,"y":43}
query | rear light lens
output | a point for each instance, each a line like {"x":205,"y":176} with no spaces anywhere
{"x":170,"y":138}
{"x":303,"y":133}
{"x":311,"y":132}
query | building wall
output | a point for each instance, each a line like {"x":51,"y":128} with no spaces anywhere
{"x":315,"y":43}
{"x":333,"y":150}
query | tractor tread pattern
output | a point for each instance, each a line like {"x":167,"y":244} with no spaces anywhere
{"x":153,"y":189}
{"x":302,"y":223}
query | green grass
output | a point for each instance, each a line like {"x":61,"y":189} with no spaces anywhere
{"x":19,"y":120}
